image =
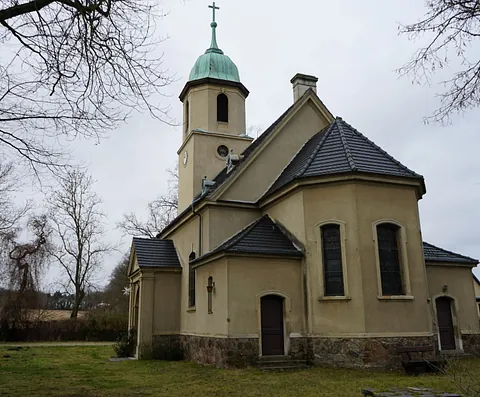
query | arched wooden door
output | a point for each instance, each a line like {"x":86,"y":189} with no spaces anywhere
{"x":272,"y":325}
{"x":445,"y":323}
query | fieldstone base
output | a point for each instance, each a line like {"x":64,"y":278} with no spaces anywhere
{"x":221,"y":352}
{"x":471,"y":344}
{"x":167,"y":347}
{"x":363,"y":352}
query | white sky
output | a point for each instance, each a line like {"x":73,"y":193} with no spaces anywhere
{"x":354,"y":49}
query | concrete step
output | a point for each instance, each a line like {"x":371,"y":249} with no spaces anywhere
{"x":274,"y":358}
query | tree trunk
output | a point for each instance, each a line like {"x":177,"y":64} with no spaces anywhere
{"x":76,"y":303}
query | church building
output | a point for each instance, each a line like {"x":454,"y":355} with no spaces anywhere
{"x":304,"y":243}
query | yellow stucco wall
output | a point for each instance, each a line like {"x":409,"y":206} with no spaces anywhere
{"x":459,"y":286}
{"x":248,"y":278}
{"x":375,"y":202}
{"x":225,"y":223}
{"x":255,"y":179}
{"x":337,"y":203}
{"x":203,"y":109}
{"x":289,"y":212}
{"x":200,"y":321}
{"x":166,"y":303}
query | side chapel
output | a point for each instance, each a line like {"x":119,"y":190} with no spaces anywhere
{"x":304,"y":243}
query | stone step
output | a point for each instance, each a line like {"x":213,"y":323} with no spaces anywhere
{"x":285,"y":367}
{"x":277,"y":363}
{"x":274,"y":358}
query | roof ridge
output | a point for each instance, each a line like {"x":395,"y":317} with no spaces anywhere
{"x":450,"y":252}
{"x":350,"y":160}
{"x":310,"y":159}
{"x":375,"y":146}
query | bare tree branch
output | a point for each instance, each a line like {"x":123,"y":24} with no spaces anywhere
{"x":74,"y":68}
{"x":453,"y":26}
{"x":161,"y":212}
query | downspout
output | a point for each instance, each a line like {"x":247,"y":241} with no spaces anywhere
{"x":199,"y":226}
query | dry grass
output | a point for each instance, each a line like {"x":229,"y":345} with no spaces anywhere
{"x":52,"y":315}
{"x":85,"y":371}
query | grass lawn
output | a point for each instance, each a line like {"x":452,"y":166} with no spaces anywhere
{"x":84,"y":371}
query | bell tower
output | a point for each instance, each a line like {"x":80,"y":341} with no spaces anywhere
{"x":214,"y":122}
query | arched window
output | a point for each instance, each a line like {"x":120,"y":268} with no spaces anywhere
{"x":222,"y":108}
{"x":187,"y":117}
{"x":210,"y":292}
{"x":389,"y":256}
{"x":191,"y":281}
{"x":332,"y":260}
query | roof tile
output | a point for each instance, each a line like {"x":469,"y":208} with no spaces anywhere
{"x":436,"y":254}
{"x":154,"y":252}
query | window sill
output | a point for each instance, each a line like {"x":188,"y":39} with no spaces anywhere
{"x":191,"y":309}
{"x":334,"y":298}
{"x":395,"y":298}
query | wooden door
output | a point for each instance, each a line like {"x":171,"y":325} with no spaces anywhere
{"x":445,"y":323}
{"x":272,"y":325}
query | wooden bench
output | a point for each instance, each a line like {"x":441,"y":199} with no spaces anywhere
{"x":419,"y":365}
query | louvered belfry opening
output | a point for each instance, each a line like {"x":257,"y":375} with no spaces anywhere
{"x":222,"y":108}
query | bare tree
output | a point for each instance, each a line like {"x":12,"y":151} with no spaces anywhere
{"x":10,"y":213}
{"x":452,"y":27}
{"x":79,"y":232}
{"x":25,"y":263}
{"x":75,"y":67}
{"x":161,"y":212}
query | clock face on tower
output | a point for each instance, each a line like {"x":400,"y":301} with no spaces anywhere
{"x":185,"y":157}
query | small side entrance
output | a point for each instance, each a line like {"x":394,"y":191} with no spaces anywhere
{"x":272,"y":325}
{"x":445,"y":323}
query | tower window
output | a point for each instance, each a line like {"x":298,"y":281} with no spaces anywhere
{"x":332,"y":260}
{"x":187,"y":116}
{"x":389,"y":255}
{"x":222,"y":108}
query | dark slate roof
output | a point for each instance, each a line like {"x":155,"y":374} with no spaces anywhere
{"x":339,"y":148}
{"x":261,"y":237}
{"x":154,"y":252}
{"x":436,"y":254}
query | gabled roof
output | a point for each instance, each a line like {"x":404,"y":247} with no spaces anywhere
{"x":436,"y":254}
{"x":262,"y":237}
{"x":339,"y":148}
{"x":154,"y":252}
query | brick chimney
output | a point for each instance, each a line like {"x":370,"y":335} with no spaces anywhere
{"x":301,"y":83}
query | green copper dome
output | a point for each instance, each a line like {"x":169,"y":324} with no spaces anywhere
{"x":214,"y":63}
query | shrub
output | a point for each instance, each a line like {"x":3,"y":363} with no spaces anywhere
{"x":125,"y":345}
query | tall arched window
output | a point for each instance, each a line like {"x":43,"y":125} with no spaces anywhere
{"x":191,"y":281}
{"x":332,"y":260}
{"x":222,"y":108}
{"x":389,"y":257}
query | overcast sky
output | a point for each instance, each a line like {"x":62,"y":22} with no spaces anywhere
{"x":354,"y":48}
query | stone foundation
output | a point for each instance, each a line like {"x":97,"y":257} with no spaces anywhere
{"x":363,"y":352}
{"x":337,"y":352}
{"x":471,"y":344}
{"x":221,"y":352}
{"x":167,"y":347}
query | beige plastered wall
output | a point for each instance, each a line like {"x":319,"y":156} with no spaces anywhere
{"x":459,"y":286}
{"x":376,"y":202}
{"x":249,"y":279}
{"x":225,"y":222}
{"x":201,"y":322}
{"x":257,"y":177}
{"x":203,"y":160}
{"x":357,"y":205}
{"x":203,"y":109}
{"x":476,"y":287}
